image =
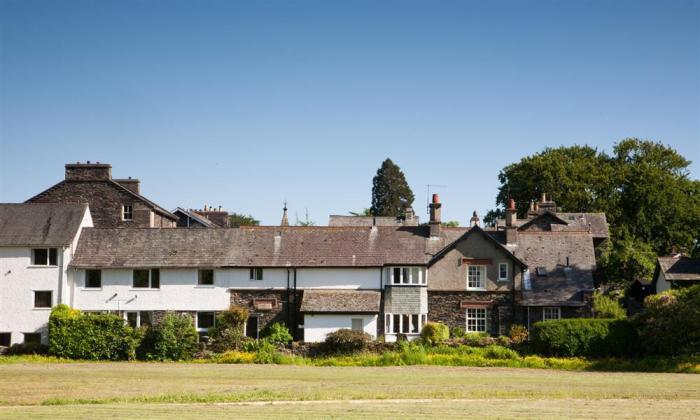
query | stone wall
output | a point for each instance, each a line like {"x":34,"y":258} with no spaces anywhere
{"x":283,"y":311}
{"x":448,"y":308}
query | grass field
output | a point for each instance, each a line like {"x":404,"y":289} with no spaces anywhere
{"x":150,"y":390}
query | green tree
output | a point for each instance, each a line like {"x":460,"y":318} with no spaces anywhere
{"x":643,"y":188}
{"x":390,"y":191}
{"x":238,"y":220}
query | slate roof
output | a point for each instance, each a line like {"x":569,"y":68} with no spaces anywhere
{"x":680,"y":268}
{"x":195,"y":216}
{"x":340,"y":301}
{"x":595,"y":222}
{"x":343,"y":220}
{"x":40,"y":224}
{"x":253,"y":246}
{"x":563,"y":283}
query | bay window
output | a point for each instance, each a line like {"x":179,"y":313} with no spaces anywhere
{"x":407,"y":276}
{"x":404,"y":323}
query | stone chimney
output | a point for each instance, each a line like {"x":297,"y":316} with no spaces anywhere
{"x":511,"y":227}
{"x":88,"y":171}
{"x":285,"y":219}
{"x":546,"y":205}
{"x":218,"y":217}
{"x":435,"y":216}
{"x":474,"y":221}
{"x":131,"y":184}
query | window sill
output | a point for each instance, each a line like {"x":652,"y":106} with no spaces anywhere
{"x":407,"y":285}
{"x":144,"y":289}
{"x":42,"y":266}
{"x":472,"y":289}
{"x":41,"y":309}
{"x":204,"y":286}
{"x":503,"y":280}
{"x":91,"y":289}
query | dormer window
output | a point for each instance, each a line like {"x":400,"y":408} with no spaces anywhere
{"x":127,"y":212}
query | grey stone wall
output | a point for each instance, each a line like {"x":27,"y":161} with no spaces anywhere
{"x":284,"y":311}
{"x":446,"y":307}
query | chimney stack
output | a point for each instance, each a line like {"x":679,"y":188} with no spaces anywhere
{"x":88,"y":171}
{"x":435,"y":218}
{"x":511,"y":217}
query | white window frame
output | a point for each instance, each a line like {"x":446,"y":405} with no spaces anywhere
{"x":50,"y":299}
{"x":196,"y":321}
{"x":481,"y":275}
{"x":475,"y":314}
{"x":150,"y":279}
{"x":404,"y":327}
{"x":417,"y":276}
{"x":501,"y":265}
{"x":548,"y":311}
{"x":138,"y":316}
{"x":254,"y":271}
{"x":48,"y":257}
{"x":130,"y":213}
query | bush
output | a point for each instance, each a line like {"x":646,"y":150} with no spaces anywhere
{"x":174,"y":338}
{"x":434,"y":333}
{"x":228,"y":332}
{"x":263,"y":349}
{"x":578,"y":337}
{"x":277,"y":333}
{"x":457,"y":332}
{"x":18,"y":349}
{"x":75,"y":335}
{"x":607,"y":307}
{"x":478,"y":339}
{"x":345,"y":341}
{"x":518,"y":334}
{"x":671,"y":323}
{"x":499,"y":352}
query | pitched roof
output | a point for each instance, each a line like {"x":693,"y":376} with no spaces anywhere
{"x":195,"y":216}
{"x":343,"y":220}
{"x":594,"y":223}
{"x":479,"y":231}
{"x":568,"y":259}
{"x":680,"y":267}
{"x":114,"y":184}
{"x":40,"y":224}
{"x":340,"y":301}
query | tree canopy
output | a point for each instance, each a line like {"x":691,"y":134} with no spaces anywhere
{"x":643,"y":187}
{"x":238,"y":220}
{"x":390,"y":191}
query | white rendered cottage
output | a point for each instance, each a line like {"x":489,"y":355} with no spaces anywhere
{"x":37,"y":242}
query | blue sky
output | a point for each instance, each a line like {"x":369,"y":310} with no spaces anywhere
{"x":246,"y":104}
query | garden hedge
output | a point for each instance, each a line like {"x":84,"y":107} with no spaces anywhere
{"x":586,"y":337}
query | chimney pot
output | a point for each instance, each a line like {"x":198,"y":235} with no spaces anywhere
{"x":511,"y":204}
{"x":543,"y":198}
{"x":436,"y":199}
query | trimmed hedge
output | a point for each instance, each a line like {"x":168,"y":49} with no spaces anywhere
{"x":76,"y":335}
{"x":587,"y":337}
{"x":434,"y":333}
{"x":346,"y":341}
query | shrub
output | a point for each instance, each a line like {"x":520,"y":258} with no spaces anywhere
{"x":457,"y":332}
{"x":346,"y":341}
{"x":75,"y":335}
{"x":518,"y":334}
{"x":434,"y":333}
{"x":18,"y":349}
{"x":174,"y":338}
{"x":481,"y":339}
{"x":277,"y":333}
{"x":412,"y":353}
{"x":607,"y":307}
{"x":670,"y":323}
{"x":263,"y":349}
{"x":585,"y":337}
{"x":227,"y":334}
{"x":499,"y":352}
{"x":504,"y":341}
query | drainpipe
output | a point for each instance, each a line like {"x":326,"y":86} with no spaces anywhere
{"x":60,"y":276}
{"x":289,"y":301}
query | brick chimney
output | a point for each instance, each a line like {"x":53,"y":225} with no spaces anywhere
{"x":511,"y":217}
{"x":88,"y":171}
{"x":435,"y":216}
{"x":131,"y":184}
{"x":547,"y":205}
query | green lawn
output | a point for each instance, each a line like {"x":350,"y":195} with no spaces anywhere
{"x":151,"y":390}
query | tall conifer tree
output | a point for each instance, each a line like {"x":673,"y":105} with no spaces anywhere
{"x":390,"y":191}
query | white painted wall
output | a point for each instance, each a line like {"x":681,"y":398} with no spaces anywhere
{"x":339,"y":278}
{"x":661,"y":284}
{"x":317,"y":326}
